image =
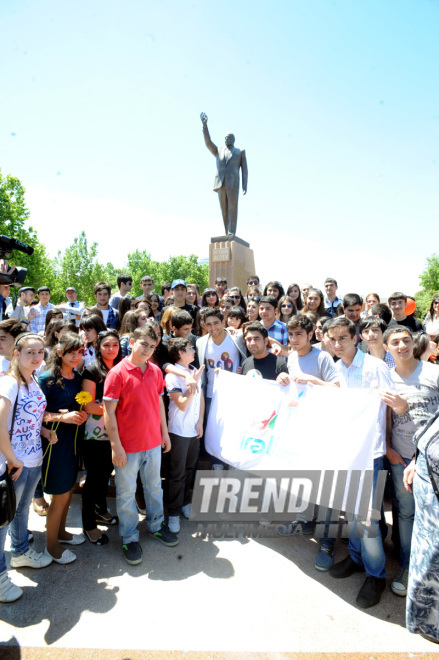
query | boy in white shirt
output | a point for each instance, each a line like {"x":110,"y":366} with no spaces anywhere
{"x":185,"y":426}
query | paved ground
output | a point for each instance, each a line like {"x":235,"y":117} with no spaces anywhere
{"x":263,"y":597}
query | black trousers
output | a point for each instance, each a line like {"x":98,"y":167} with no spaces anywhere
{"x":97,"y":462}
{"x":184,"y":456}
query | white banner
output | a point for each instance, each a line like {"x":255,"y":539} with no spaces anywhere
{"x":258,"y":424}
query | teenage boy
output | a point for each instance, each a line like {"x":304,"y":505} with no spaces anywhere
{"x":397,"y":303}
{"x":382,"y":311}
{"x":252,"y":282}
{"x":102,"y":292}
{"x":166,"y":291}
{"x":179,"y":288}
{"x":306,"y":363}
{"x":372,"y":331}
{"x":352,"y":306}
{"x":276,"y":329}
{"x":331,"y":300}
{"x":73,"y":309}
{"x":37,"y":315}
{"x":9,"y":331}
{"x":124,"y":284}
{"x":181,"y":326}
{"x":267,"y":365}
{"x":418,"y":382}
{"x":185,"y":424}
{"x":361,"y":371}
{"x":136,"y":425}
{"x":147,"y":285}
{"x":220,"y":286}
{"x":25,"y":296}
{"x":217,"y":350}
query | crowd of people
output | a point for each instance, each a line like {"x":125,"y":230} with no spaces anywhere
{"x":126,"y":385}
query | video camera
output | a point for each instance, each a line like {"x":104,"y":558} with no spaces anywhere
{"x":16,"y":275}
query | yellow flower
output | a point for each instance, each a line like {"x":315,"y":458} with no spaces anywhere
{"x":83,"y":398}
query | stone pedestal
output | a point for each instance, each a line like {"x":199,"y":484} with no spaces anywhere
{"x":232,"y":258}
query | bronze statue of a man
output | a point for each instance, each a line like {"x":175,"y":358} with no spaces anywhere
{"x":229,"y":160}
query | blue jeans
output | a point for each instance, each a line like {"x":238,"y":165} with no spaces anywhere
{"x":406,"y":513}
{"x":24,"y":492}
{"x":3,"y":534}
{"x":369,"y":551}
{"x":148,"y":464}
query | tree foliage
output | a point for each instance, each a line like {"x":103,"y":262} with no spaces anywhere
{"x":14,"y":216}
{"x":78,"y":265}
{"x":140,"y":264}
{"x":429,"y":279}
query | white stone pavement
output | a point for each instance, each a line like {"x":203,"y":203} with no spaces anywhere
{"x":203,"y":595}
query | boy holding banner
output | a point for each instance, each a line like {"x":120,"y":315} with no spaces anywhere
{"x":217,"y":350}
{"x":359,"y":370}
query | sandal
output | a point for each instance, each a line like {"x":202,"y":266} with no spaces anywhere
{"x":41,"y":509}
{"x":102,"y":540}
{"x":102,"y":520}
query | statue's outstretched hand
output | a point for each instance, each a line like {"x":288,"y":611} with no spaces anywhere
{"x":203,"y":118}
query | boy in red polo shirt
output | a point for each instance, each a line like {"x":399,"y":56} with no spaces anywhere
{"x":136,"y":425}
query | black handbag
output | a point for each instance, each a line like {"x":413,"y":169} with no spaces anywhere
{"x":7,"y":500}
{"x":8,"y":503}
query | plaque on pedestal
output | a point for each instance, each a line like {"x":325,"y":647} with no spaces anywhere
{"x":232,"y":258}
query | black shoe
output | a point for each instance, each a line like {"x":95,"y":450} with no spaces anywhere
{"x":345,"y":568}
{"x":132,"y":552}
{"x":370,"y":593}
{"x":102,"y":520}
{"x":102,"y":540}
{"x":165,"y":535}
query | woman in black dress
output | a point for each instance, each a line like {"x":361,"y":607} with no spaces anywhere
{"x":60,"y":385}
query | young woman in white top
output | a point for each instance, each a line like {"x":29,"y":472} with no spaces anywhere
{"x":22,"y":406}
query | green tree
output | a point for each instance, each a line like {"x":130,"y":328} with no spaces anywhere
{"x":186,"y":268}
{"x":139,"y":263}
{"x":430,"y":277}
{"x":14,"y":216}
{"x":79,"y":267}
{"x":429,"y":280}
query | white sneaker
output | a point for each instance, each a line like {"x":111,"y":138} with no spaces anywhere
{"x":31,"y":559}
{"x":8,"y":590}
{"x":399,"y":582}
{"x":174,"y":524}
{"x":66,"y":558}
{"x":186,"y":510}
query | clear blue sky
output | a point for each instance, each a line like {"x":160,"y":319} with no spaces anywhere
{"x":336,"y":104}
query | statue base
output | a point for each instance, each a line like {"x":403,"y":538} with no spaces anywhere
{"x":232,"y":258}
{"x":230,"y":237}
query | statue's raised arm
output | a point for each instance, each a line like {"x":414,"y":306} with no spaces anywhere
{"x":209,"y":144}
